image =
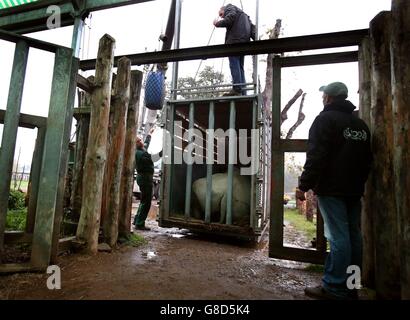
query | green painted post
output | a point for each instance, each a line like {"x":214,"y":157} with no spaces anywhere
{"x":170,"y":170}
{"x":53,"y":158}
{"x":210,"y":162}
{"x":35,"y":179}
{"x":254,"y":145}
{"x":276,"y":213}
{"x":11,"y":123}
{"x":188,"y":188}
{"x":231,"y":161}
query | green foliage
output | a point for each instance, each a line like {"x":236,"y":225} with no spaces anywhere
{"x":135,"y":240}
{"x":16,"y":200}
{"x":207,"y":77}
{"x":16,"y":219}
{"x":300,"y":223}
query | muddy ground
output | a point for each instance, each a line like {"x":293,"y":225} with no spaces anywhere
{"x":173,"y":264}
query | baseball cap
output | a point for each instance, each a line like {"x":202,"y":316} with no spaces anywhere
{"x":335,"y":89}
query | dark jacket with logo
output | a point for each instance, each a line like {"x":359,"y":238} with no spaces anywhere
{"x":143,"y":160}
{"x":339,"y":157}
{"x":239,"y":27}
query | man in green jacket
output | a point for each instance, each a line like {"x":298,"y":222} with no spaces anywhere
{"x":145,"y":171}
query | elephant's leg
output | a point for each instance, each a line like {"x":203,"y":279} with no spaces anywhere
{"x":222,"y":209}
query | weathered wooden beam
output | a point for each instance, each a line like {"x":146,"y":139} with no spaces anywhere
{"x":14,"y":237}
{"x":384,"y":212}
{"x":317,"y":59}
{"x":311,"y":42}
{"x":367,"y":225}
{"x":127,"y":180}
{"x":95,"y":5}
{"x":83,"y":128}
{"x":297,"y":254}
{"x":8,"y":142}
{"x":28,"y":121}
{"x":89,"y":223}
{"x":34,"y":180}
{"x":54,"y":158}
{"x":116,"y":153}
{"x":400,"y":48}
{"x":84,"y":83}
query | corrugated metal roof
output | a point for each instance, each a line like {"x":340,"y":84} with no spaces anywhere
{"x":14,"y":3}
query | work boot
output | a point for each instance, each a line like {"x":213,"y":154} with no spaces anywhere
{"x":320,"y":293}
{"x":143,"y":228}
{"x":231,"y":93}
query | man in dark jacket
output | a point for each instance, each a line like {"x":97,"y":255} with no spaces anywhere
{"x":337,"y":165}
{"x":145,"y":171}
{"x":239,"y":28}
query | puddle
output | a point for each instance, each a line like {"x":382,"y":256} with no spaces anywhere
{"x":149,"y":255}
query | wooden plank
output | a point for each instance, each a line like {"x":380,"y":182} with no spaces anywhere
{"x":52,"y":161}
{"x":127,"y":181}
{"x":13,"y":237}
{"x":277,"y":167}
{"x":317,"y":59}
{"x":34,"y":180}
{"x":278,"y":46}
{"x":88,"y":227}
{"x":367,"y":227}
{"x":8,"y":142}
{"x":293,"y":145}
{"x":385,"y":212}
{"x":115,"y":155}
{"x":9,"y":268}
{"x":28,"y":121}
{"x":84,"y":83}
{"x":297,"y":254}
{"x":401,"y":120}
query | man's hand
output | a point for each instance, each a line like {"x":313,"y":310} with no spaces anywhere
{"x":300,"y":195}
{"x":151,"y":131}
{"x":216,"y":21}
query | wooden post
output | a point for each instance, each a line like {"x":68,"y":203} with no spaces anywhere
{"x":83,"y":128}
{"x":127,"y":179}
{"x":116,"y":152}
{"x":400,"y":49}
{"x":88,"y":227}
{"x":367,"y":227}
{"x":382,"y":184}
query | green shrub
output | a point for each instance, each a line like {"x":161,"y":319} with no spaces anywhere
{"x":16,"y":200}
{"x":16,"y":219}
{"x":134,"y":240}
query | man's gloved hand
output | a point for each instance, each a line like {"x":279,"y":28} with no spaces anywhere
{"x":300,"y":195}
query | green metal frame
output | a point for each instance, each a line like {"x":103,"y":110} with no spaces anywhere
{"x":51,"y":146}
{"x":279,"y":148}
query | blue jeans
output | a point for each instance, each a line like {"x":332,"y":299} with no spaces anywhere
{"x":341,"y":216}
{"x":237,"y":72}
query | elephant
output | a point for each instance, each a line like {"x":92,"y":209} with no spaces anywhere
{"x":241,"y":197}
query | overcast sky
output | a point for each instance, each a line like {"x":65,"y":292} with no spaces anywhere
{"x":136,"y":29}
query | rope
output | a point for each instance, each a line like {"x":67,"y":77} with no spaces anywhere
{"x":209,"y":41}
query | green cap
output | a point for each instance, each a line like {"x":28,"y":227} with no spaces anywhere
{"x":335,"y":89}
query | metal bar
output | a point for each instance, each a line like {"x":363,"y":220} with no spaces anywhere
{"x":188,"y":188}
{"x":320,"y":232}
{"x":35,"y":179}
{"x":8,"y":142}
{"x":293,"y":145}
{"x":276,"y":214}
{"x":171,"y":165}
{"x":300,"y":43}
{"x":28,"y":21}
{"x":255,"y":58}
{"x":327,"y":58}
{"x":95,"y":5}
{"x":219,"y":99}
{"x":33,"y":43}
{"x":254,"y":145}
{"x":26,"y":120}
{"x":210,"y":161}
{"x":232,"y":152}
{"x":31,"y":6}
{"x":77,"y":35}
{"x":52,"y":159}
{"x":212,"y":87}
{"x":177,"y":36}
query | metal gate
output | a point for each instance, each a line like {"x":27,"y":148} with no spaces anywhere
{"x":279,"y":148}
